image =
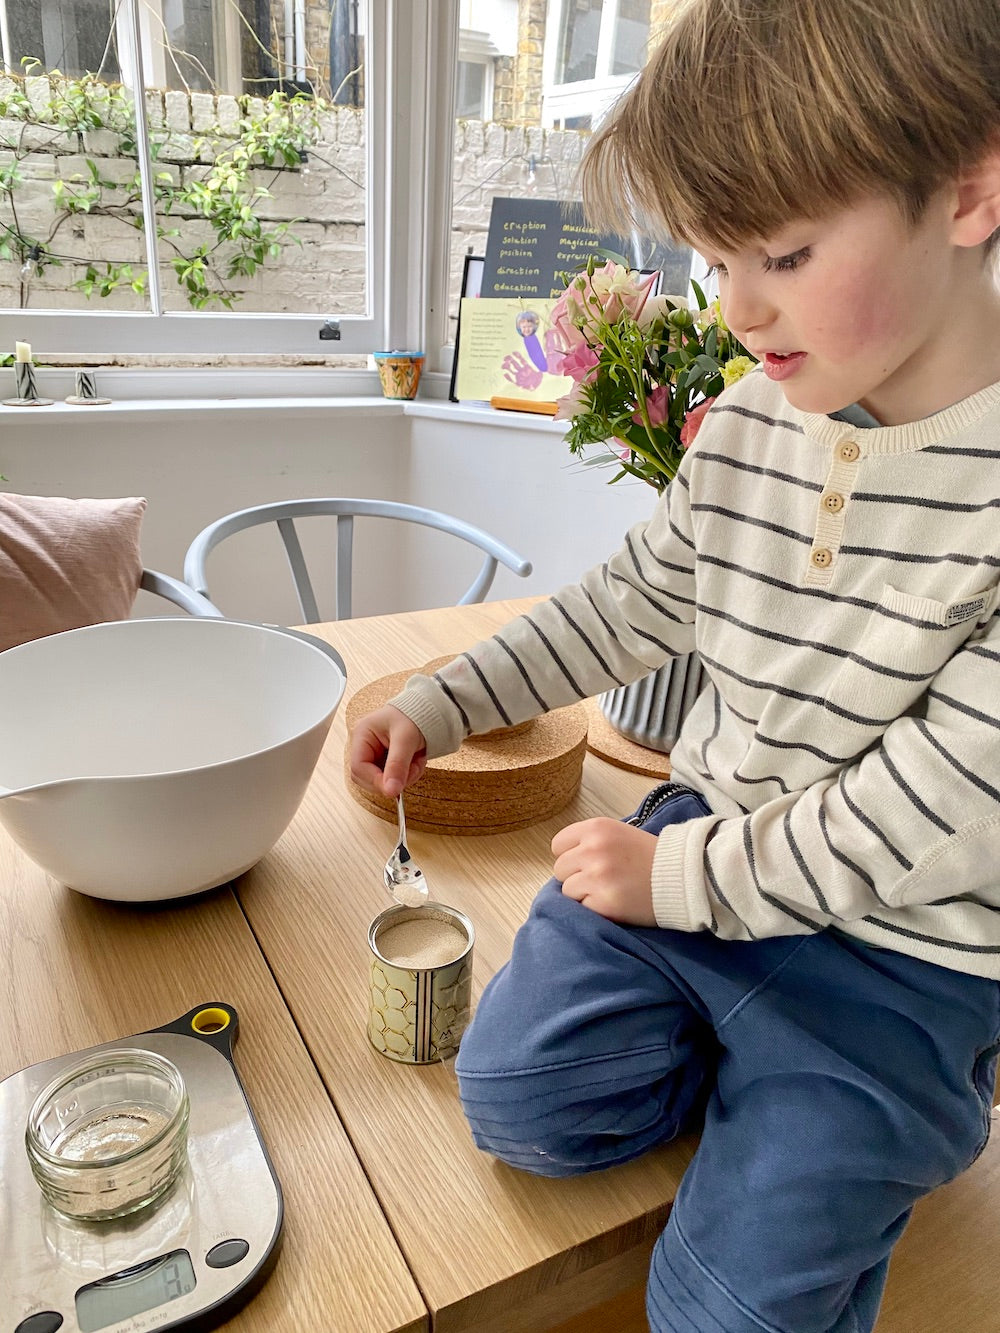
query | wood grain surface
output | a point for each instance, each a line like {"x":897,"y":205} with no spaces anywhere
{"x":482,"y":1241}
{"x":75,"y":972}
{"x":390,"y":1212}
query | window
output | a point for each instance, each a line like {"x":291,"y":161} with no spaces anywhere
{"x":630,"y":36}
{"x":70,"y":35}
{"x":597,"y":47}
{"x":579,"y":35}
{"x":198,"y":175}
{"x":557,"y":68}
{"x":346,"y":205}
{"x":190,"y":45}
{"x":477,"y":55}
{"x":471,"y":96}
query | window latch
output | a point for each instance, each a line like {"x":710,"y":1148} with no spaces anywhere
{"x":330,"y":331}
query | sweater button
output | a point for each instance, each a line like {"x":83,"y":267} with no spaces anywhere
{"x":820,"y":557}
{"x":848,"y":452}
{"x":833,"y":503}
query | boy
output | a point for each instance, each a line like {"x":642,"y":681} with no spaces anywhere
{"x":797,"y":941}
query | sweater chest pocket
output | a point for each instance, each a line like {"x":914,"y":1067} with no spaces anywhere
{"x":906,"y":642}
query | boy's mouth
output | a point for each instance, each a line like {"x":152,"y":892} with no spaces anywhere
{"x":780,"y":365}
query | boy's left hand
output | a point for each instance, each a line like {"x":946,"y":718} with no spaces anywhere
{"x":608,"y":867}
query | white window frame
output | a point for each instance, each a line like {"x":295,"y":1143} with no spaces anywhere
{"x":225,"y":35}
{"x":409,"y":79}
{"x":476,"y":48}
{"x":584,"y":97}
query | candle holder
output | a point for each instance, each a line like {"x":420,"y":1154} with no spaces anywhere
{"x":27,"y":388}
{"x":86,"y":391}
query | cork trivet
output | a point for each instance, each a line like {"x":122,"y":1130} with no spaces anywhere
{"x":607,"y":743}
{"x":424,"y":825}
{"x":495,"y":783}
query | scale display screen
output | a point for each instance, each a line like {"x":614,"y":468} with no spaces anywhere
{"x":134,"y":1290}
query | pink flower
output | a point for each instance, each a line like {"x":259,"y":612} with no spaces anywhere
{"x":555,"y":360}
{"x":560,"y":317}
{"x":693,"y":420}
{"x":571,"y":404}
{"x":657,"y":405}
{"x":563,"y":327}
{"x":561,"y":340}
{"x":580,"y":363}
{"x":602,"y":297}
{"x":619,"y":290}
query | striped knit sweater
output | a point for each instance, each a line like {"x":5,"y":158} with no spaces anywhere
{"x":841,"y":586}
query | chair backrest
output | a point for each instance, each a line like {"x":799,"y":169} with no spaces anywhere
{"x":179,"y":593}
{"x":284,"y":514}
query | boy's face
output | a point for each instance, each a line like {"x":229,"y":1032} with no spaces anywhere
{"x":853,"y":308}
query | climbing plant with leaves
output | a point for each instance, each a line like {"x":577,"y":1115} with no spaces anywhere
{"x":221,"y":183}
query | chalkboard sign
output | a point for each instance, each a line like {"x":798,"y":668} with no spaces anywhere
{"x":533,"y":242}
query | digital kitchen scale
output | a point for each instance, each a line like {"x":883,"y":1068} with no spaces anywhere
{"x":189,"y":1260}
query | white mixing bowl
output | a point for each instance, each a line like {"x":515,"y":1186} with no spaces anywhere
{"x":163,"y":756}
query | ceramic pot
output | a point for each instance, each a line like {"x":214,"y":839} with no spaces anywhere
{"x":399,"y":373}
{"x":650,"y":711}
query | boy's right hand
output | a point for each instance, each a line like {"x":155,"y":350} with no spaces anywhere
{"x":388,"y":751}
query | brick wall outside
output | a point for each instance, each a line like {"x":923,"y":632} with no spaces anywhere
{"x":325,"y":274}
{"x":530,"y":47}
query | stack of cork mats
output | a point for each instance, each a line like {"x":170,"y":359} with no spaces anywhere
{"x":505,"y":780}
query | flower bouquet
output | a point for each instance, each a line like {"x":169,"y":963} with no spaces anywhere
{"x":645,"y":368}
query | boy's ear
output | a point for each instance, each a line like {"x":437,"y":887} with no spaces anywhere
{"x":976,"y":213}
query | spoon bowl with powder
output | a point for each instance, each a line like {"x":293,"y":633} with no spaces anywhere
{"x":403,"y":877}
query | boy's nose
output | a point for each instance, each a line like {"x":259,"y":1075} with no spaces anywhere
{"x":744,"y":308}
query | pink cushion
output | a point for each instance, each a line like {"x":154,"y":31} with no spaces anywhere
{"x":66,"y":563}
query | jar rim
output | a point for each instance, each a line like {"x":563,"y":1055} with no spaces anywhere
{"x":113,"y":1055}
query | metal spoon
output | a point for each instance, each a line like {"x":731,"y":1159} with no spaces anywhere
{"x":403,"y":877}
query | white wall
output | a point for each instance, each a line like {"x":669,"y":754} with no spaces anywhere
{"x":523,"y":485}
{"x":196,"y":463}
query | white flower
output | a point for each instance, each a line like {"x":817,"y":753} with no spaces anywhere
{"x":712,"y":314}
{"x":658,"y":307}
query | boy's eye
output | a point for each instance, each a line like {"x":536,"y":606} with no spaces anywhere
{"x":714,"y":270}
{"x":786,"y":263}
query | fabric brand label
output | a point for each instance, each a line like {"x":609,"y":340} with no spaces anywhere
{"x":959,"y":612}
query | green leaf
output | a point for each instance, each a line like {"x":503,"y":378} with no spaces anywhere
{"x":699,"y":295}
{"x":613,"y":255}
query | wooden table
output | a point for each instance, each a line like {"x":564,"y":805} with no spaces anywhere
{"x":393,"y":1221}
{"x":490,"y":1248}
{"x":75,"y":972}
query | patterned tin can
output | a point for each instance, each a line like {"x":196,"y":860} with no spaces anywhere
{"x":421,"y":982}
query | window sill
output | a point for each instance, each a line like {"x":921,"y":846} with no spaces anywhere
{"x":475,"y":415}
{"x":141,"y":409}
{"x":141,"y":395}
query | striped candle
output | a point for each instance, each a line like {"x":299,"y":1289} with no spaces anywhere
{"x":24,"y":378}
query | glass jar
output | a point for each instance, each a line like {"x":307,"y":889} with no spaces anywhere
{"x":108,"y":1136}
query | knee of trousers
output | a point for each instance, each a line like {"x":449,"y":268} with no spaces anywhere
{"x":523,"y":1125}
{"x":552,"y":1124}
{"x":537,"y":1145}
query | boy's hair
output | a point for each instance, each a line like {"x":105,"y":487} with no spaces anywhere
{"x":753,"y":113}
